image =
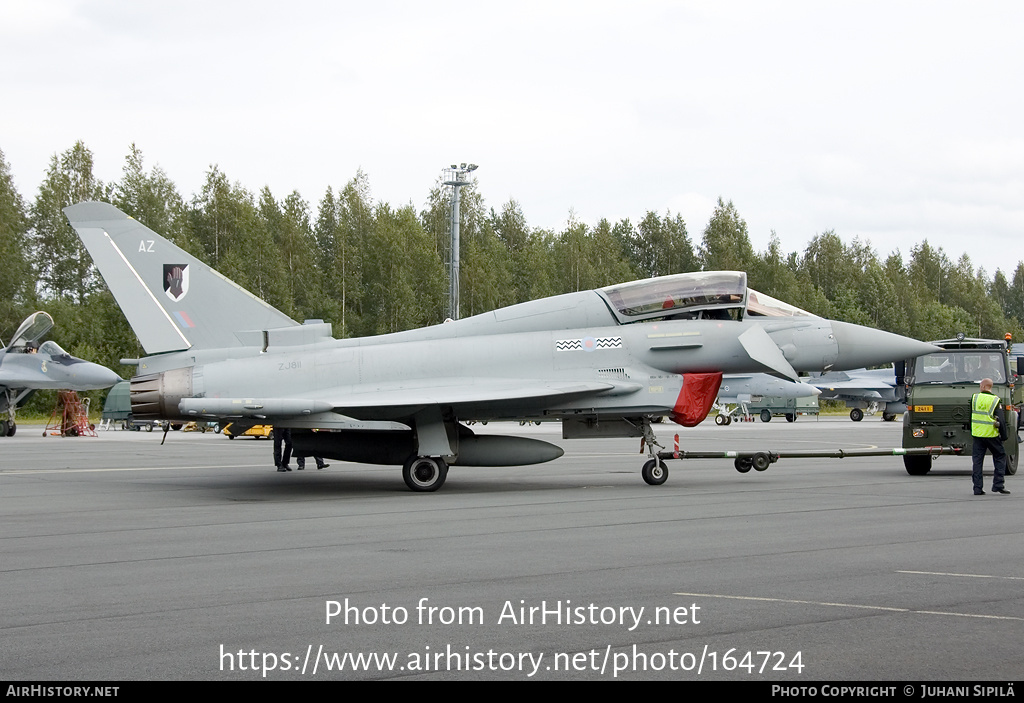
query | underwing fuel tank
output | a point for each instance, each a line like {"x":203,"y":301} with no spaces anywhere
{"x":395,"y":447}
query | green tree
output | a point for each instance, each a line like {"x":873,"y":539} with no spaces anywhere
{"x":403,"y":281}
{"x":659,"y":246}
{"x":355,"y":231}
{"x":62,"y":266}
{"x":15,"y":272}
{"x":726,"y":245}
{"x":153,"y":199}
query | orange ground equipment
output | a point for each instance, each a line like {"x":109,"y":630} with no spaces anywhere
{"x":70,"y":417}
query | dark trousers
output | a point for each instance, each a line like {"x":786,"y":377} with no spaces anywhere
{"x":282,"y":435}
{"x":301,"y":461}
{"x":994,"y":445}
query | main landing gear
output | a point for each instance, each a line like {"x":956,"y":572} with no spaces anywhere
{"x":424,"y":474}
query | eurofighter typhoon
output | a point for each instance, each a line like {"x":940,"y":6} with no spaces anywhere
{"x":602,"y":362}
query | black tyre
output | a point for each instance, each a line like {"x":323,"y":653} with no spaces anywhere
{"x":888,"y":417}
{"x":424,"y":473}
{"x":1011,"y":462}
{"x":3,"y":428}
{"x":760,"y":461}
{"x":720,"y":420}
{"x":766,"y":416}
{"x":917,"y":464}
{"x":790,"y":417}
{"x":856,"y":414}
{"x":655,"y":472}
{"x":743,"y":464}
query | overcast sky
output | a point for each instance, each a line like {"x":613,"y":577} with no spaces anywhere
{"x":889,"y":121}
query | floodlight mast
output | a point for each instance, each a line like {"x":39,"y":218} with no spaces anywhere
{"x":456,"y":178}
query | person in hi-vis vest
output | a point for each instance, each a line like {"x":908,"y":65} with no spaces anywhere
{"x":988,"y":428}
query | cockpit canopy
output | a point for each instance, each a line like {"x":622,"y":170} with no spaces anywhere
{"x":32,"y":329}
{"x":720,"y":295}
{"x":54,"y":350}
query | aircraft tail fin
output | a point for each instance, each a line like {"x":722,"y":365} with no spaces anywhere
{"x":172,"y":300}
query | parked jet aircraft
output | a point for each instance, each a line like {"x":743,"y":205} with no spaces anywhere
{"x":862,"y":389}
{"x":602,"y":362}
{"x":27,"y":366}
{"x":739,"y":390}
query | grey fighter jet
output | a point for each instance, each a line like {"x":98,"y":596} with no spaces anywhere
{"x":863,"y":391}
{"x":27,"y":366}
{"x":740,"y":390}
{"x":602,"y":362}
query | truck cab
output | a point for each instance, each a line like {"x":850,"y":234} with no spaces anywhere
{"x":939,"y":387}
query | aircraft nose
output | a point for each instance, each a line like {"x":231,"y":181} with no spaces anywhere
{"x":863,"y":346}
{"x":91,"y":376}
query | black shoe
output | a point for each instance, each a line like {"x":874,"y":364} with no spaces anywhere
{"x":1003,"y":491}
{"x":979,"y":493}
{"x":281,"y":468}
{"x":301,"y":468}
{"x":322,"y":466}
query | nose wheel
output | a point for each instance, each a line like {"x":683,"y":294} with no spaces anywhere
{"x":655,"y":472}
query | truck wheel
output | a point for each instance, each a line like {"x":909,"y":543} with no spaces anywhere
{"x":917,"y":464}
{"x":1011,"y":463}
{"x":766,"y":416}
{"x":790,"y":417}
{"x":856,"y":414}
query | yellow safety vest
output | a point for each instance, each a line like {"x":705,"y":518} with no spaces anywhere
{"x":983,"y":415}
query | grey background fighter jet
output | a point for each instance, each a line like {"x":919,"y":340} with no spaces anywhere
{"x":739,"y":390}
{"x":863,"y":390}
{"x":602,"y":362}
{"x":28,"y":365}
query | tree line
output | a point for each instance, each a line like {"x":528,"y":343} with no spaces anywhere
{"x":371,"y":267}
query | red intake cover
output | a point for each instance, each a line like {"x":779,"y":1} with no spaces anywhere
{"x":696,"y":398}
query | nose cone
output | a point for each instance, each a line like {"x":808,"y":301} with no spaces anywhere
{"x":86,"y":376}
{"x":811,"y":391}
{"x":864,"y":346}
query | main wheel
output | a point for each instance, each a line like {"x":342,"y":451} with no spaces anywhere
{"x":1011,"y":463}
{"x":720,"y":420}
{"x":766,"y":416}
{"x":743,"y":464}
{"x":888,"y":417}
{"x":655,"y":472}
{"x":856,"y":414}
{"x":917,"y":464}
{"x":424,"y":473}
{"x":3,"y":428}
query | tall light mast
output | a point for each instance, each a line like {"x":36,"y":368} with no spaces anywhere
{"x":456,"y":178}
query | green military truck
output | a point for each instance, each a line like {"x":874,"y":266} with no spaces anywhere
{"x":938,"y":389}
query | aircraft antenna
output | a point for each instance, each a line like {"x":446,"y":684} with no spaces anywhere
{"x":455,"y":176}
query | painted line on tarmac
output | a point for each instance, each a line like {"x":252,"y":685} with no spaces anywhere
{"x":851,"y":605}
{"x":967,"y":576}
{"x":34,"y":472}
